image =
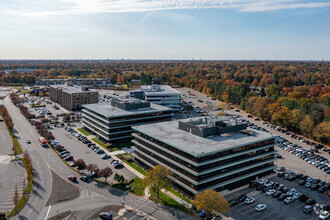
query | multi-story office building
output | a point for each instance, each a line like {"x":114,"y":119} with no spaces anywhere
{"x":203,"y":153}
{"x":112,"y":122}
{"x":91,"y":83}
{"x":159,"y":94}
{"x":73,"y":97}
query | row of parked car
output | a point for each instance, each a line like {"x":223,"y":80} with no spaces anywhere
{"x":63,"y":152}
{"x":304,"y":180}
{"x":93,"y":147}
{"x":308,"y":155}
{"x":288,"y":195}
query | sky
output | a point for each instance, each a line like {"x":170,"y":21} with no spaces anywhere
{"x":165,"y":29}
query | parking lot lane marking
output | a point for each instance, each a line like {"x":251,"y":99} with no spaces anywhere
{"x":61,"y":168}
{"x":30,"y":211}
{"x":48,"y":212}
{"x":143,"y":205}
{"x":268,"y":216}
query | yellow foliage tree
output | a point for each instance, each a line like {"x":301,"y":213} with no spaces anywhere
{"x":158,"y":178}
{"x":211,"y":201}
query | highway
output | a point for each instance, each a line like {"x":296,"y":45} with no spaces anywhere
{"x":45,"y":159}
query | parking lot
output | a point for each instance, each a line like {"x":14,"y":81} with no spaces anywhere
{"x":80,"y":151}
{"x":275,"y":209}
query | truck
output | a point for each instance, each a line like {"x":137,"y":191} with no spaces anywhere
{"x":43,"y":141}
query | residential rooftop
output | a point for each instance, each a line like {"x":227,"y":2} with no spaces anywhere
{"x":109,"y":111}
{"x":169,"y":133}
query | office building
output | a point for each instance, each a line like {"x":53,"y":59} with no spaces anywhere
{"x":203,"y":153}
{"x":72,"y":97}
{"x":112,"y":122}
{"x":159,"y":94}
{"x":91,"y":83}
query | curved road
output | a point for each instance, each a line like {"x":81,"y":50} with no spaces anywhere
{"x":44,"y":159}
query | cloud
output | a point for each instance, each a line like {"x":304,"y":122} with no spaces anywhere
{"x":72,"y":7}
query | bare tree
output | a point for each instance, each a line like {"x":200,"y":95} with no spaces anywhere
{"x":106,"y":172}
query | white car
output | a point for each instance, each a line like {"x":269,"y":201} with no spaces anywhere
{"x":249,"y":200}
{"x":324,"y":215}
{"x":270,"y":192}
{"x":263,"y":181}
{"x":288,"y":200}
{"x":297,"y":195}
{"x":28,"y":141}
{"x":260,"y":207}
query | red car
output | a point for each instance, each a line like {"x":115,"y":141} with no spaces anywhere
{"x":72,"y":178}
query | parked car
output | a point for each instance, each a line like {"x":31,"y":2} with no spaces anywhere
{"x":308,"y":209}
{"x":72,"y":178}
{"x":249,"y":200}
{"x":84,"y":178}
{"x":289,"y":200}
{"x":324,"y":215}
{"x":310,"y":202}
{"x":261,"y":207}
{"x":105,"y":216}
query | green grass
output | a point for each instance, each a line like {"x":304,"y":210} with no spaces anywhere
{"x":168,"y":201}
{"x":137,"y":186}
{"x":179,"y":195}
{"x":83,"y":131}
{"x":114,"y":149}
{"x":99,"y":142}
{"x":137,"y":168}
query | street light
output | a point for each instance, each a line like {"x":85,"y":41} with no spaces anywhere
{"x":123,"y":202}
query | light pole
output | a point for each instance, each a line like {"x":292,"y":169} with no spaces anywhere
{"x":123,"y":202}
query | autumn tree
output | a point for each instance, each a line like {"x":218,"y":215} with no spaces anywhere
{"x":80,"y":163}
{"x":212,"y":202}
{"x":273,"y":92}
{"x":15,"y":197}
{"x":92,"y":168}
{"x":105,"y":173}
{"x":307,"y":126}
{"x":158,"y":178}
{"x":14,"y":150}
{"x":322,"y":132}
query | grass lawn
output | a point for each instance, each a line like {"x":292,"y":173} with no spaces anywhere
{"x":83,"y":131}
{"x":99,"y":142}
{"x":168,"y":201}
{"x":137,"y":168}
{"x":179,"y":195}
{"x":137,"y":186}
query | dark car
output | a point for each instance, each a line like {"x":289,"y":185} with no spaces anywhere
{"x":280,"y":174}
{"x":282,"y":197}
{"x":72,"y":178}
{"x":105,"y":216}
{"x":310,"y":202}
{"x":84,"y":178}
{"x":233,"y":202}
{"x":321,"y":190}
{"x":302,"y":182}
{"x":315,"y":186}
{"x":242,"y":197}
{"x":303,"y":198}
{"x":285,"y":189}
{"x":277,"y":194}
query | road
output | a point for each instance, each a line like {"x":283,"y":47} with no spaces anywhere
{"x":42,"y":180}
{"x":44,"y":159}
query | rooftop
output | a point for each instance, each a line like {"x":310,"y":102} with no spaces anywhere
{"x":157,"y":89}
{"x":107,"y":110}
{"x":169,"y":133}
{"x":73,"y":89}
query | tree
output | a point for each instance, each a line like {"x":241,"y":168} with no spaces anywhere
{"x":208,"y":108}
{"x":322,"y":132}
{"x":307,"y":126}
{"x":106,"y":172}
{"x":80,"y":163}
{"x":26,"y":157}
{"x":158,"y":178}
{"x":92,"y":168}
{"x":273,"y":92}
{"x":14,"y":149}
{"x":15,"y":197}
{"x":211,"y":201}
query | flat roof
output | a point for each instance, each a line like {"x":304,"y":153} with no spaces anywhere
{"x":169,"y":133}
{"x":148,"y":89}
{"x":107,"y":110}
{"x":72,"y":89}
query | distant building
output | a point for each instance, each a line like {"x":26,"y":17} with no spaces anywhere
{"x":91,"y":83}
{"x":22,"y":70}
{"x":73,"y":97}
{"x":112,"y":122}
{"x":159,"y":94}
{"x":203,"y":153}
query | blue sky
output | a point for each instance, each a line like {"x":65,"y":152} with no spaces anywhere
{"x":165,"y":29}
